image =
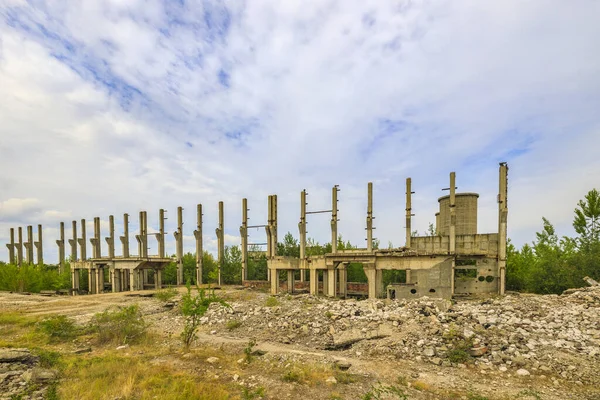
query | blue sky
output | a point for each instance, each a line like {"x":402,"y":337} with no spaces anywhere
{"x":116,"y":106}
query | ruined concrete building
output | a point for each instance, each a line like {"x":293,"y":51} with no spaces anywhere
{"x":455,"y":260}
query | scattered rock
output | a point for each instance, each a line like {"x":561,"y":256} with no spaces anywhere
{"x":523,"y":372}
{"x":212,"y":360}
{"x":331,"y":380}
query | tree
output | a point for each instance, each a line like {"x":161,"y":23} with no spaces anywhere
{"x":587,"y":226}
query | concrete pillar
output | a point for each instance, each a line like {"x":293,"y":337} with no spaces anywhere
{"x":29,"y":245}
{"x":113,"y":280}
{"x":99,"y":280}
{"x":375,"y":281}
{"x":110,"y":240}
{"x":199,"y":247}
{"x":75,"y":280}
{"x":19,"y":247}
{"x":331,"y":282}
{"x":95,"y":241}
{"x":334,"y":219}
{"x":11,"y":247}
{"x":125,"y":238}
{"x":39,"y":247}
{"x":274,"y":281}
{"x":145,"y":278}
{"x":273,"y":225}
{"x":409,"y":211}
{"x":82,"y":242}
{"x":408,"y":276}
{"x":61,"y":248}
{"x":452,"y":238}
{"x":314,"y":281}
{"x":160,"y":236}
{"x":343,"y":280}
{"x":73,"y":241}
{"x":142,"y":238}
{"x":302,"y":229}
{"x":370,"y":217}
{"x":157,"y":279}
{"x":244,"y":238}
{"x":290,"y":280}
{"x":124,"y":280}
{"x":325,"y":283}
{"x":179,"y":245}
{"x":91,"y":281}
{"x":502,"y":225}
{"x":132,"y":280}
{"x":221,"y":241}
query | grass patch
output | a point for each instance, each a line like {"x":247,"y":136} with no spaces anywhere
{"x":380,"y":392}
{"x":112,"y":376}
{"x":58,"y":328}
{"x":48,"y":358}
{"x":233,"y":324}
{"x":165,"y":295}
{"x":271,"y":302}
{"x":124,"y":325}
{"x":316,"y":374}
{"x":249,"y":394}
{"x":421,"y":386}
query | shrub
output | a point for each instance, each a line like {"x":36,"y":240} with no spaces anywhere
{"x":58,"y":328}
{"x":122,"y":325}
{"x":166,"y":294}
{"x":233,"y":324}
{"x":249,"y":350}
{"x":271,"y":302}
{"x":193,"y":308}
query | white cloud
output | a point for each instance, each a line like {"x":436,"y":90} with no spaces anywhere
{"x":120,"y":106}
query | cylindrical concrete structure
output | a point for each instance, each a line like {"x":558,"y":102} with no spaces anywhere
{"x":466,"y":214}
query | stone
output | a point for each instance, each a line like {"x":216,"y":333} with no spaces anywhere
{"x":478,"y":351}
{"x":331,"y":380}
{"x":16,"y":355}
{"x":82,"y":350}
{"x":342,"y":365}
{"x":436,"y":361}
{"x":236,"y":377}
{"x":123,"y":347}
{"x":429,"y":352}
{"x":523,"y":372}
{"x":212,"y":360}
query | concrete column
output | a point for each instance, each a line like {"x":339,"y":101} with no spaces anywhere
{"x":343,"y":279}
{"x":95,"y":241}
{"x":372,"y":281}
{"x":452,"y":238}
{"x":73,"y":241}
{"x":75,"y":280}
{"x":142,"y":237}
{"x":113,"y":280}
{"x":370,"y":217}
{"x":408,"y":276}
{"x":331,"y":282}
{"x":274,"y":281}
{"x":244,"y":238}
{"x":29,"y":245}
{"x":290,"y":280}
{"x":91,"y":281}
{"x":158,"y":279}
{"x":124,"y":280}
{"x":221,"y":241}
{"x":125,"y":238}
{"x":179,"y":245}
{"x":199,"y":249}
{"x":314,"y":281}
{"x":160,"y":236}
{"x":273,"y":225}
{"x":145,"y":278}
{"x":502,"y":226}
{"x":334,"y":219}
{"x":82,"y":242}
{"x":99,"y":280}
{"x":61,"y":248}
{"x":19,"y":247}
{"x":325,"y":283}
{"x":409,"y":211}
{"x":110,"y":240}
{"x":132,"y":280}
{"x":302,"y":229}
{"x":39,"y":247}
{"x":11,"y":247}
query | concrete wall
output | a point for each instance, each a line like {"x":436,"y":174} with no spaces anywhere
{"x":434,"y":282}
{"x":484,"y":277}
{"x":482,"y":244}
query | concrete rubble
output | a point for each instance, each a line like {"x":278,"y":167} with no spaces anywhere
{"x":21,"y":376}
{"x":557,"y":337}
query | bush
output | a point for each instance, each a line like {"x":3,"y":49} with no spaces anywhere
{"x":33,"y":278}
{"x":193,"y":308}
{"x":271,"y":302}
{"x":123,"y":325}
{"x":233,"y":324}
{"x":58,"y":328}
{"x":166,"y":294}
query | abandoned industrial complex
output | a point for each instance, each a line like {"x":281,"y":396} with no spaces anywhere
{"x":456,"y":260}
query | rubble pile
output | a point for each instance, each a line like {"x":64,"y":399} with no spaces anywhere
{"x":21,"y":377}
{"x":554,"y":336}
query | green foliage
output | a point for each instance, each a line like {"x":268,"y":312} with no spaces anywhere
{"x":58,"y":328}
{"x":209,"y":269}
{"x":33,"y":278}
{"x":381,"y":392}
{"x":271,"y":302}
{"x":123,"y":325}
{"x":166,"y":294}
{"x":193,"y":307}
{"x":258,"y":393}
{"x":249,"y":351}
{"x":233,"y":324}
{"x":47,"y":358}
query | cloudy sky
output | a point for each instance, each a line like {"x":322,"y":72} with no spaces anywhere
{"x":112,"y":107}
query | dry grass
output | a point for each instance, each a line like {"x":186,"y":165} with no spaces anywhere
{"x":315,"y":374}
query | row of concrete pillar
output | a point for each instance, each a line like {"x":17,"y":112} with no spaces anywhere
{"x":22,"y":252}
{"x":120,"y":279}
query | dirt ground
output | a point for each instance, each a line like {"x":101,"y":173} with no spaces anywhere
{"x":379,"y":377}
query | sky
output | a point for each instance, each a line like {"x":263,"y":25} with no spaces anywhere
{"x":116,"y":106}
